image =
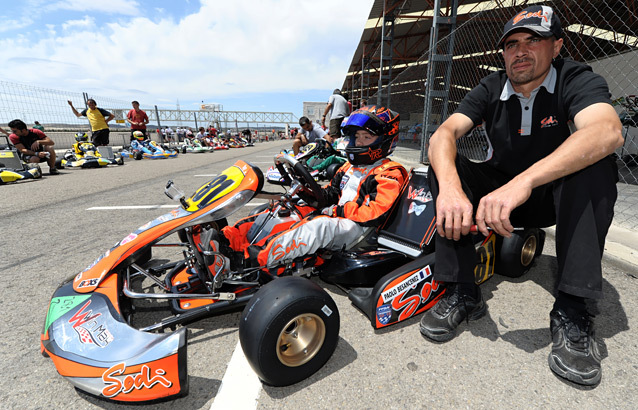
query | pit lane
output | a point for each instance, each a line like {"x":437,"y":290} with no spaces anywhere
{"x":49,"y":233}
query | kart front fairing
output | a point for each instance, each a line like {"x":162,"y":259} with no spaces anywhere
{"x":86,"y":333}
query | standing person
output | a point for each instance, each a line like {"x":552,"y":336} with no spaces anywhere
{"x":539,"y":174}
{"x":38,"y":126}
{"x":338,"y":109}
{"x":137,"y":118}
{"x":33,"y":145}
{"x":98,"y":118}
{"x":309,"y":133}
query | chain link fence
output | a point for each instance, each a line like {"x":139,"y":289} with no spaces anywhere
{"x":603,"y":34}
{"x":51,"y":109}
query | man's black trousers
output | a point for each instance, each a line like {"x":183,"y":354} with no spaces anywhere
{"x":581,"y":205}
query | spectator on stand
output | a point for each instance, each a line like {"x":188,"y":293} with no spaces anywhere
{"x":33,"y":145}
{"x":38,"y":126}
{"x":99,"y":120}
{"x":137,"y":118}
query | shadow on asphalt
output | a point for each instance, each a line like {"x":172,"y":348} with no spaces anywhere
{"x":342,"y":357}
{"x":610,"y":318}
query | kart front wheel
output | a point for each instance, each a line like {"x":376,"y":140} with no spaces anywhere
{"x":289,"y":330}
{"x":519,"y":251}
{"x":138,"y":155}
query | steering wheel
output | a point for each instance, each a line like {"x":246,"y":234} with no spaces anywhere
{"x":292,"y":170}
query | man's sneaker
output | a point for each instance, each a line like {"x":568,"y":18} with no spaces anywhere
{"x":440,"y":322}
{"x":54,"y":171}
{"x":575,"y":353}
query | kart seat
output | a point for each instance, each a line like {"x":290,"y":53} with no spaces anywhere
{"x":411,"y":225}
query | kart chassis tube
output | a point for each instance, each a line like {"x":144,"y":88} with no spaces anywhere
{"x":135,"y":295}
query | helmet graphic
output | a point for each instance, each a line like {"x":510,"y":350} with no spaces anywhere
{"x":378,"y":121}
{"x":81,"y":137}
{"x":138,"y":135}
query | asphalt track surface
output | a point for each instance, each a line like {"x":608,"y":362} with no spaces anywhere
{"x":499,"y":361}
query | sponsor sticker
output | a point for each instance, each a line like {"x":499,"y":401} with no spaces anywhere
{"x":326,"y":310}
{"x":89,"y":329}
{"x":416,"y":209}
{"x":384,"y":312}
{"x":410,"y":282}
{"x":128,"y":239}
{"x":116,"y":384}
{"x":88,"y":283}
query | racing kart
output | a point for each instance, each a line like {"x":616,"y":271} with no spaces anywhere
{"x":289,"y":325}
{"x":235,"y":143}
{"x":13,"y":168}
{"x":217,"y":143}
{"x":320,"y":157}
{"x":194,"y":145}
{"x":88,"y":157}
{"x":147,"y":149}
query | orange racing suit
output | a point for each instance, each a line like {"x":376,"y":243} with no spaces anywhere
{"x":362,"y":198}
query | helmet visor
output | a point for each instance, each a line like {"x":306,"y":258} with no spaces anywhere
{"x":361,"y":120}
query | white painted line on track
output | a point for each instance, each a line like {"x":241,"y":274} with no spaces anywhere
{"x":240,"y":387}
{"x":129,"y":207}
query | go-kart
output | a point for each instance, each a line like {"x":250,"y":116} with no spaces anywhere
{"x":87,"y":157}
{"x":13,"y":168}
{"x":147,"y":149}
{"x":320,"y":157}
{"x":289,"y":326}
{"x":217,"y":143}
{"x":194,"y":145}
{"x":235,"y":143}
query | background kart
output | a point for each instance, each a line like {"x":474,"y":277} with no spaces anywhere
{"x":320,"y":158}
{"x":147,"y":149}
{"x":89,"y":157}
{"x":217,"y":143}
{"x":193,"y":145}
{"x":287,"y":332}
{"x":13,"y":168}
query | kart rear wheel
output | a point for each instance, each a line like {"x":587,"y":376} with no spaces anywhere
{"x":289,"y":330}
{"x":519,"y":251}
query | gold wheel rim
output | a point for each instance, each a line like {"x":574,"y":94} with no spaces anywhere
{"x":528,"y":251}
{"x":300,"y":340}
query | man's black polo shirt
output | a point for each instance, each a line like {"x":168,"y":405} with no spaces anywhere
{"x":576,"y":87}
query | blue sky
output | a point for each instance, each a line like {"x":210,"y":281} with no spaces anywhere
{"x":252,"y":55}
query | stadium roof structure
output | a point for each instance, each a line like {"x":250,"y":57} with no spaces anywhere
{"x":396,"y":39}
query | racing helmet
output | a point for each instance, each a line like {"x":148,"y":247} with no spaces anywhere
{"x":81,"y":137}
{"x":138,"y":135}
{"x":379,"y":121}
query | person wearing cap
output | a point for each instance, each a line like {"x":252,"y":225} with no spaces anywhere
{"x":336,"y":110}
{"x":309,"y":133}
{"x":552,"y":131}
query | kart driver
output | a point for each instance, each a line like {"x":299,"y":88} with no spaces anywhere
{"x":552,"y":131}
{"x":81,"y":138}
{"x":361,"y":195}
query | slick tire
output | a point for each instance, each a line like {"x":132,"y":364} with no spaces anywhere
{"x":518,"y":252}
{"x":138,"y":156}
{"x":289,"y":330}
{"x":58,"y":164}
